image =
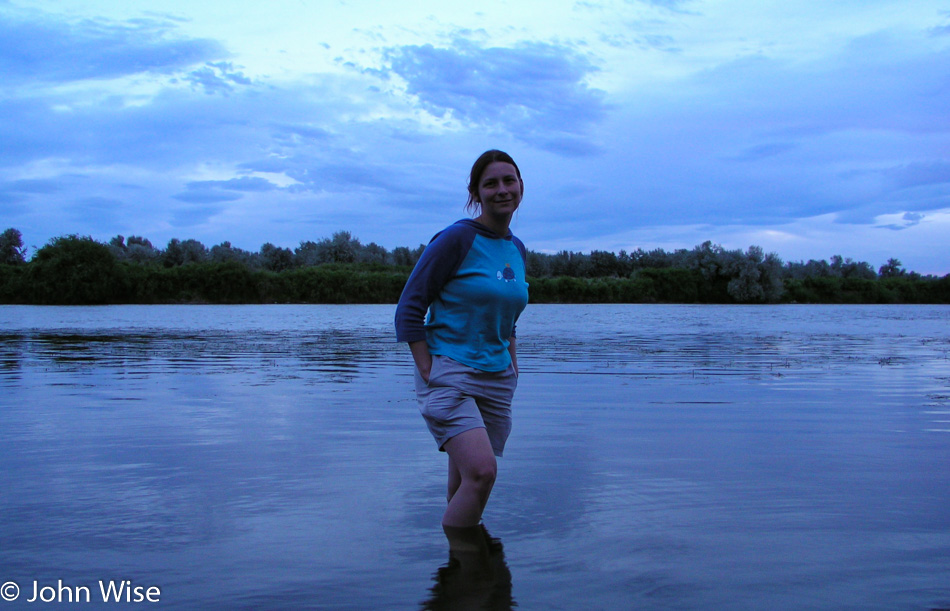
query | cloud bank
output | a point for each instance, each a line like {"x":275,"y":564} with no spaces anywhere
{"x":155,"y":126}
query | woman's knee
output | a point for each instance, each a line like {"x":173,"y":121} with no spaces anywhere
{"x":482,"y":473}
{"x":471,"y":453}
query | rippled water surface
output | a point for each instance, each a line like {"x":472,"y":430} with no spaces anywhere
{"x":663,"y":457}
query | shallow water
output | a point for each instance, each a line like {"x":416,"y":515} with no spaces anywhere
{"x":663,"y":457}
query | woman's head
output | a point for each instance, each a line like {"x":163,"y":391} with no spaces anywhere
{"x":485,"y":159}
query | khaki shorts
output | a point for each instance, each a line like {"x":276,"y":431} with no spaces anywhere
{"x":459,"y":398}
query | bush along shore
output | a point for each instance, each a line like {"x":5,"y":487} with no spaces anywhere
{"x":76,"y":270}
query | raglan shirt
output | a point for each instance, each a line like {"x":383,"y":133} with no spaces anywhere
{"x":472,"y":284}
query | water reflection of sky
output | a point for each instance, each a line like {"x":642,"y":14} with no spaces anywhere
{"x":662,"y":456}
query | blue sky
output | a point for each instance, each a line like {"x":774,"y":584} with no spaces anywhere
{"x":809,"y":128}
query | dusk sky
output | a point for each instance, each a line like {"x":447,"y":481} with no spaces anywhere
{"x":809,"y":128}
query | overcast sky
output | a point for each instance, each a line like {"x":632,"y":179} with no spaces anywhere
{"x":809,"y":128}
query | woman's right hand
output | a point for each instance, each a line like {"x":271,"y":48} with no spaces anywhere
{"x":423,"y":359}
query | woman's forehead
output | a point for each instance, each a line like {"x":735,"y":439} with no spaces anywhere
{"x":497,"y":169}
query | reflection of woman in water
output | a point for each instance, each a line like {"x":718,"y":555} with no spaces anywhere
{"x":471,"y":281}
{"x":475,"y":579}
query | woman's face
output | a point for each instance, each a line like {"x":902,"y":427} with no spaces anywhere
{"x":499,"y":189}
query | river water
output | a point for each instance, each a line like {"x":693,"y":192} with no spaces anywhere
{"x":662,"y":457}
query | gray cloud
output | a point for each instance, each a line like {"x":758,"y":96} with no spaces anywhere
{"x":244,"y":183}
{"x":206,"y":197}
{"x":910,"y":219}
{"x":219,"y":77}
{"x":193,"y":215}
{"x":32,"y":186}
{"x":658,"y":42}
{"x":99,"y":210}
{"x":920,"y":174}
{"x":292,"y":135}
{"x":536,"y":90}
{"x":47,"y":50}
{"x":873,"y":83}
{"x":819,"y":134}
{"x":942,"y":30}
{"x":675,"y":6}
{"x":25,"y":131}
{"x":175,"y":127}
{"x":12,"y":205}
{"x":764,"y":151}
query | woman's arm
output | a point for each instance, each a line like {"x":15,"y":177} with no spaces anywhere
{"x":435,"y":267}
{"x":512,"y":350}
{"x":420,"y":354}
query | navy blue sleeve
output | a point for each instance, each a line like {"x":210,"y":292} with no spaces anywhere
{"x":438,"y":263}
{"x":524,"y":258}
{"x":522,"y":250}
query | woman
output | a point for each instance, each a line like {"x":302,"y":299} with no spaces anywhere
{"x":471,"y":281}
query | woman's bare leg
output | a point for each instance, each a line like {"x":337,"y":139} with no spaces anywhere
{"x":455,"y":480}
{"x":472,"y":455}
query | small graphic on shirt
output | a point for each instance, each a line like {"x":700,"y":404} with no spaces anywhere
{"x":507,"y":274}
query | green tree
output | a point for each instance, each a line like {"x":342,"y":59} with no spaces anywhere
{"x":75,"y":270}
{"x":373,"y":253}
{"x":537,"y":265}
{"x":342,"y":248}
{"x":773,"y":286}
{"x":276,"y":259}
{"x":402,"y":256}
{"x":11,"y":247}
{"x":307,"y":254}
{"x":140,"y":250}
{"x":892,"y":269}
{"x":604,"y":263}
{"x":181,"y":252}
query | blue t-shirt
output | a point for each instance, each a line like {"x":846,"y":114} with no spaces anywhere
{"x":472,"y":283}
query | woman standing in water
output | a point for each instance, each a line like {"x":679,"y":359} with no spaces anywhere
{"x":471,"y":281}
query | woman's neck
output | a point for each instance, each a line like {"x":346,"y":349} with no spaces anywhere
{"x":497,"y":225}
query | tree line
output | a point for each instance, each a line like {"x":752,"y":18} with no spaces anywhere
{"x":74,"y":269}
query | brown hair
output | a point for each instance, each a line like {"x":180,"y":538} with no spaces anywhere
{"x":483,"y":161}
